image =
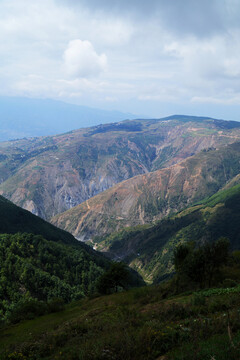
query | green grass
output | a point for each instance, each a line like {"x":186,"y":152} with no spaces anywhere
{"x":138,"y":324}
{"x":221,"y":196}
{"x":217,"y":347}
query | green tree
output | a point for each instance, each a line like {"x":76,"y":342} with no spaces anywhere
{"x":117,"y":276}
{"x":202,"y":265}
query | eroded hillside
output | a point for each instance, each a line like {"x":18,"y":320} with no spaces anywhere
{"x":49,"y":175}
{"x":150,"y":197}
{"x":149,"y":250}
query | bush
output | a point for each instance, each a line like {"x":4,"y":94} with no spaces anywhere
{"x":217,"y":305}
{"x":114,"y":279}
{"x":198,"y":299}
{"x":55,"y":305}
{"x":229,"y":283}
{"x":27,"y":309}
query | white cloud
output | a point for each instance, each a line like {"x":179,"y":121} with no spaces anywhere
{"x":138,"y":52}
{"x":82,"y":61}
{"x":224,"y":100}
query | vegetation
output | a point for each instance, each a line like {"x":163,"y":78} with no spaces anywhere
{"x":152,"y":247}
{"x":15,"y":219}
{"x":137,"y":324}
{"x":113,"y":279}
{"x":201,"y":265}
{"x":33,"y":268}
{"x":143,"y":323}
{"x":39,"y":275}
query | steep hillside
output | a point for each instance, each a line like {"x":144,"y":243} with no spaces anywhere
{"x":17,"y":220}
{"x":150,"y":249}
{"x":49,"y":175}
{"x":150,"y":197}
{"x":41,"y":262}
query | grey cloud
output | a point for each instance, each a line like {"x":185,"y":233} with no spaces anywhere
{"x":152,"y":56}
{"x":201,"y":18}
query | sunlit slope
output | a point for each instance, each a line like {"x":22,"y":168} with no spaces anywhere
{"x":150,"y":250}
{"x":49,"y":175}
{"x":150,"y":197}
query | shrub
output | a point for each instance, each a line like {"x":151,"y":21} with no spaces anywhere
{"x":198,"y":299}
{"x":229,"y":283}
{"x":27,"y":309}
{"x":55,"y":305}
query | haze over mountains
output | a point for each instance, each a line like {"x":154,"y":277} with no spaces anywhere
{"x":28,"y":117}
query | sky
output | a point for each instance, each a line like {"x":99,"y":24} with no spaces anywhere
{"x":153,"y":58}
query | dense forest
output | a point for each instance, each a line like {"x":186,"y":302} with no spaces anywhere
{"x":34,"y":268}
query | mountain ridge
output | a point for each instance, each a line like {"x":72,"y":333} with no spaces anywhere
{"x":30,"y":117}
{"x":150,"y":197}
{"x":49,"y":175}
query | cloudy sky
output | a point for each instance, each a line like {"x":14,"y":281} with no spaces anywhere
{"x":149,"y":57}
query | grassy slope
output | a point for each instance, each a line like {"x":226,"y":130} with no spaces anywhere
{"x":150,"y":250}
{"x":138,"y":324}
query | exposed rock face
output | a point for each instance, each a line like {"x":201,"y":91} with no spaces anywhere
{"x":149,"y":197}
{"x":49,"y":175}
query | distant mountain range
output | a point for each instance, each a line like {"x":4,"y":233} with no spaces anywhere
{"x":117,"y":180}
{"x":26,"y":117}
{"x":49,"y":175}
{"x":133,"y":190}
{"x":146,"y":198}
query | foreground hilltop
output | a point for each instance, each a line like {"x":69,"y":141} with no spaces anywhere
{"x":151,"y":322}
{"x":49,"y":175}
